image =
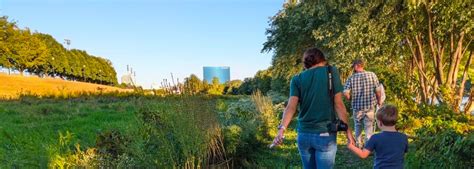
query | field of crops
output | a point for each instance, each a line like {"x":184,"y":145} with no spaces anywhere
{"x":12,"y":86}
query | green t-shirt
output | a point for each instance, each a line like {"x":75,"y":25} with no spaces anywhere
{"x":311,"y":87}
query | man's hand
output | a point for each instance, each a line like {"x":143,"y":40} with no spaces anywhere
{"x":347,"y":94}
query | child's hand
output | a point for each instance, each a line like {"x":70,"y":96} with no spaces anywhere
{"x":351,"y":146}
{"x":350,"y":142}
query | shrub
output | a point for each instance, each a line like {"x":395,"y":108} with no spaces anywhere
{"x":445,"y":139}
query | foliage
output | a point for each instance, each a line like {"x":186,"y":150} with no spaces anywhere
{"x":182,"y":143}
{"x":261,"y":82}
{"x":431,"y":40}
{"x":215,"y":88}
{"x":193,"y":84}
{"x":445,"y":139}
{"x":266,"y":111}
{"x":232,"y":87}
{"x":41,"y":54}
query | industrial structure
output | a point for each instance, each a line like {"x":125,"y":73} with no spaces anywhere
{"x":222,"y":73}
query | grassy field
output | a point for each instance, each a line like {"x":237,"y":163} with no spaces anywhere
{"x":36,"y":133}
{"x":12,"y":86}
{"x":30,"y":129}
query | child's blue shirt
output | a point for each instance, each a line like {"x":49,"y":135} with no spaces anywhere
{"x":389,"y":148}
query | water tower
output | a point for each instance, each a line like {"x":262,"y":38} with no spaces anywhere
{"x":223,"y":73}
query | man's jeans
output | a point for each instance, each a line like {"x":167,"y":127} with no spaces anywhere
{"x":317,"y":150}
{"x":366,"y":118}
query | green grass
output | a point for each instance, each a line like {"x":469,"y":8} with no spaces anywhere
{"x":30,"y":129}
{"x":287,"y":156}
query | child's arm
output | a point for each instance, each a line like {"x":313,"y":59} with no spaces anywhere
{"x":362,"y":153}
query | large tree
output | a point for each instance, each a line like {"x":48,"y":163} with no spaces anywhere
{"x":430,"y":41}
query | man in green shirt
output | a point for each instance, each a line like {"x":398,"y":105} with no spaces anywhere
{"x":310,"y":90}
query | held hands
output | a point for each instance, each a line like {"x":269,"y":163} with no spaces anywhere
{"x":350,"y":139}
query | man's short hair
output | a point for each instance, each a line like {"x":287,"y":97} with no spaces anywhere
{"x":358,"y":62}
{"x":388,"y":115}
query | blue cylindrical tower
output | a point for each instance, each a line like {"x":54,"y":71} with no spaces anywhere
{"x":223,"y":73}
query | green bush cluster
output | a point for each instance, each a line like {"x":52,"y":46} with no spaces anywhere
{"x":247,"y":124}
{"x":445,"y":139}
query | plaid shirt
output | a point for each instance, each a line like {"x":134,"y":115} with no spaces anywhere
{"x":362,"y":86}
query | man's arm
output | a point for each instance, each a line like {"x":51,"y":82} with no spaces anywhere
{"x":378,"y":89}
{"x":378,"y":94}
{"x":286,"y":119}
{"x":347,"y":89}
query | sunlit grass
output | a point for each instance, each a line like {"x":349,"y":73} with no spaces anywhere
{"x":287,"y":155}
{"x":12,"y":86}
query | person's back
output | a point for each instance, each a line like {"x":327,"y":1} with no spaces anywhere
{"x":310,"y":90}
{"x":389,"y":148}
{"x":363,"y":85}
{"x":315,"y":104}
{"x":361,"y":89}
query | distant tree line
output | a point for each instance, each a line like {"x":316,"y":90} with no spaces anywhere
{"x":261,"y":82}
{"x":193,"y":85}
{"x":41,"y":54}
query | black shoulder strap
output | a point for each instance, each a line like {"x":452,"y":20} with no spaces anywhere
{"x":331,"y":90}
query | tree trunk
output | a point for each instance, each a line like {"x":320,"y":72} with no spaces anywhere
{"x":469,"y":105}
{"x":463,"y":82}
{"x":421,"y":72}
{"x":454,"y":63}
{"x":460,"y":53}
{"x":435,"y":52}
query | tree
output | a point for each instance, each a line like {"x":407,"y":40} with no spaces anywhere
{"x":232,"y":87}
{"x":28,"y":51}
{"x":439,"y":37}
{"x":56,"y":61}
{"x":41,"y":54}
{"x":193,"y":84}
{"x":215,"y":88}
{"x":7,"y":32}
{"x":430,"y":40}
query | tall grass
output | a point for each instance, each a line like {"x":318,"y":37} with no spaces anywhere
{"x":184,"y":130}
{"x":111,"y":131}
{"x":266,"y":109}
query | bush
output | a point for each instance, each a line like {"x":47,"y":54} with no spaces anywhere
{"x":445,"y":139}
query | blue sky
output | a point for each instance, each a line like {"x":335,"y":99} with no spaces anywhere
{"x":157,"y":37}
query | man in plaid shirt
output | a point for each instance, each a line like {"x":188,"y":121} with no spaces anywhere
{"x":363,"y":87}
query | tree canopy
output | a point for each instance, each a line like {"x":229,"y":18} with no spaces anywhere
{"x":426,"y":46}
{"x":41,"y":54}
